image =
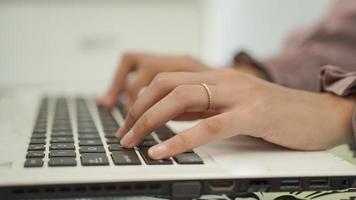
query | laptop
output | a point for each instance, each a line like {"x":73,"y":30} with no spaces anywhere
{"x":57,"y":146}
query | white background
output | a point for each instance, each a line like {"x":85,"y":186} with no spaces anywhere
{"x":81,"y":41}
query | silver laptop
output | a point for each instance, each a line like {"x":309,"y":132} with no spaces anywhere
{"x":64,"y":146}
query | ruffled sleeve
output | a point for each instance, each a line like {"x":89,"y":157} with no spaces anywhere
{"x":337,"y":80}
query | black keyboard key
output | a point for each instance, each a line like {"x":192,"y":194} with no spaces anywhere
{"x":188,"y":158}
{"x":59,"y":162}
{"x":87,"y":130}
{"x":36,"y":147}
{"x":110,"y":129}
{"x":86,"y":124}
{"x":62,"y":146}
{"x":116,"y":147}
{"x":164,"y":132}
{"x":58,"y":124}
{"x":125,"y":158}
{"x":37,"y":141}
{"x":91,"y":159}
{"x":40,"y":126}
{"x":33,"y":162}
{"x":112,"y":141}
{"x":61,"y":129}
{"x":110,"y":135}
{"x":84,"y":119}
{"x":88,"y":136}
{"x":147,"y":143}
{"x":148,"y":138}
{"x":92,"y":149}
{"x":90,"y":143}
{"x":62,"y":153}
{"x":82,"y":132}
{"x":38,"y":136}
{"x":40,"y":130}
{"x":150,"y":161}
{"x":62,"y":134}
{"x":86,"y":127}
{"x":35,"y":154}
{"x":38,"y":133}
{"x":62,"y":140}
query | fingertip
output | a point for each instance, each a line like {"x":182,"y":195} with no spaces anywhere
{"x":120,"y":132}
{"x":100,"y":98}
{"x":104,"y":100}
{"x":128,"y":139}
{"x":157,"y":152}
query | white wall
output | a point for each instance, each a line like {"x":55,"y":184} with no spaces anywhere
{"x":62,"y":40}
{"x":58,"y":41}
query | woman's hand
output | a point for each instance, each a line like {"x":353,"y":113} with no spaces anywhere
{"x":146,"y":67}
{"x":242,"y":105}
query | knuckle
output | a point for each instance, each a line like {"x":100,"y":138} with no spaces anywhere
{"x":144,"y":123}
{"x":182,"y":141}
{"x":161,"y":80}
{"x":147,"y":69}
{"x":189,"y":59}
{"x":211,"y":127}
{"x":127,"y":56}
{"x":146,"y":63}
{"x":132,"y":115}
{"x":181,"y":93}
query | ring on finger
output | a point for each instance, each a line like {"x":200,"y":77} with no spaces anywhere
{"x":210,"y":96}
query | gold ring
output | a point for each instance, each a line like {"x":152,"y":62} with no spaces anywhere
{"x":210,"y":98}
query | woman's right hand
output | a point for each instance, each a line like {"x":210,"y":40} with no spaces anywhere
{"x":146,"y":66}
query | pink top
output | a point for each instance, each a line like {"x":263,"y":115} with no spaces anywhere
{"x":319,"y":58}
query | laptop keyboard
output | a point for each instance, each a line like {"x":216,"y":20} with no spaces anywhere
{"x":89,"y":144}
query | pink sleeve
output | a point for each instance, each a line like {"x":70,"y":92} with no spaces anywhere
{"x":337,"y":80}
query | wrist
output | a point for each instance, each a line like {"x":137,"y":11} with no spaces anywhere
{"x":341,"y":110}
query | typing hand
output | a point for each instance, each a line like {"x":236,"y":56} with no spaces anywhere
{"x":146,"y":66}
{"x":239,"y":104}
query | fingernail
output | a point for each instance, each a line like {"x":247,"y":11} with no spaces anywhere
{"x":127,"y":139}
{"x":100,"y":99}
{"x":120,"y":133}
{"x":158,"y":151}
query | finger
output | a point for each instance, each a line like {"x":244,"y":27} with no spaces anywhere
{"x":143,"y":78}
{"x":128,"y":63}
{"x":210,"y":129}
{"x":160,"y":86}
{"x":184,"y":98}
{"x":188,"y":116}
{"x":103,"y":100}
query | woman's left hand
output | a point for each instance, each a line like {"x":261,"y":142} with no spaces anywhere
{"x":241,"y":105}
